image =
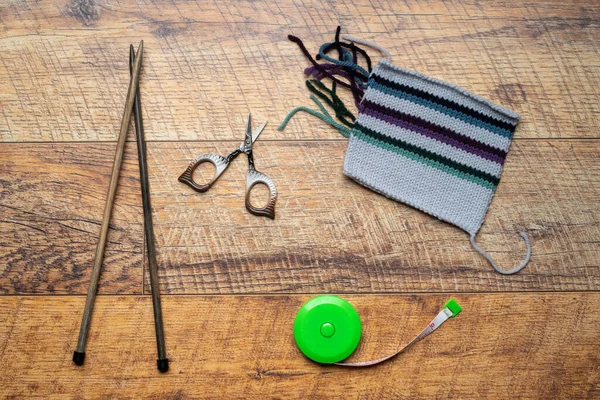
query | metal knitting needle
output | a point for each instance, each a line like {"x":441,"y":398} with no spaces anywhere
{"x":163,"y":361}
{"x":79,"y":354}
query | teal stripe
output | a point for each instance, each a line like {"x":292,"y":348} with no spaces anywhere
{"x":438,"y":107}
{"x":424,"y":160}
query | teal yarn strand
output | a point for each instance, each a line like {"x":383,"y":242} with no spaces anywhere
{"x":325,"y":116}
{"x":321,"y":106}
{"x":343,"y":63}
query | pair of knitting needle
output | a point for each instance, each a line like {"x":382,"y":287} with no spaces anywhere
{"x":132,"y":104}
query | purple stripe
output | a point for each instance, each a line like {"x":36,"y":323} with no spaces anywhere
{"x":433,"y":135}
{"x":433,"y":131}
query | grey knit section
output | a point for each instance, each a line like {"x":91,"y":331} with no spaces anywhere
{"x":445,"y":90}
{"x":447,"y":197}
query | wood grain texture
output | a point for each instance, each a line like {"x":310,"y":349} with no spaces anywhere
{"x":63,"y":78}
{"x":51,"y":203}
{"x":63,"y":66}
{"x":333,"y":235}
{"x":330,"y":234}
{"x":500,"y":346}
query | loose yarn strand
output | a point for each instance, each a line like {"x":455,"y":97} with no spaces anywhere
{"x":346,"y":67}
{"x":314,"y":63}
{"x":350,"y":71}
{"x":363,"y":73}
{"x":325,"y":117}
{"x":348,"y":61}
{"x":370,"y":44}
{"x":358,"y":91}
{"x":341,"y":112}
{"x":351,"y":46}
{"x":321,"y":106}
{"x":493,"y":263}
{"x":332,"y":68}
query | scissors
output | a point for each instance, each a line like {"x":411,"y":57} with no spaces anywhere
{"x":253,"y":177}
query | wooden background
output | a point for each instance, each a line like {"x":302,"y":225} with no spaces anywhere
{"x":232,"y":282}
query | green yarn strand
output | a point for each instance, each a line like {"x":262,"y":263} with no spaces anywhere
{"x":341,"y":112}
{"x":325,"y":116}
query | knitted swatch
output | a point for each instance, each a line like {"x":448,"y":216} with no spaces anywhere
{"x":446,"y":146}
{"x":431,"y":145}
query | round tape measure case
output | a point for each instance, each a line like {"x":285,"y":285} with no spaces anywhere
{"x":327,"y":329}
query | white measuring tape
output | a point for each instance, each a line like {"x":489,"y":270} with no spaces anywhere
{"x":451,"y":309}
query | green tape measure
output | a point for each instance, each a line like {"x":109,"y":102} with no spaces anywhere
{"x":327,"y":330}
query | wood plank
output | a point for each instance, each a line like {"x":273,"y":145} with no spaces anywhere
{"x":64,"y":74}
{"x":51,"y":203}
{"x":330,"y":234}
{"x":333,"y":235}
{"x":538,"y":345}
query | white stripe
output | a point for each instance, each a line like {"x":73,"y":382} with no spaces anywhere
{"x":446,"y":87}
{"x":443,"y":92}
{"x":458,"y":155}
{"x":438,"y":118}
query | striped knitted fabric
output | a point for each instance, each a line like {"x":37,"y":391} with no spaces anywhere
{"x":431,"y":145}
{"x":418,"y":140}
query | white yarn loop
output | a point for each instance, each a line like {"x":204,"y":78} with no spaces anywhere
{"x":493,"y":264}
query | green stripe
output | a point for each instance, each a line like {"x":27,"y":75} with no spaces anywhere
{"x":424,"y":160}
{"x":429,"y":154}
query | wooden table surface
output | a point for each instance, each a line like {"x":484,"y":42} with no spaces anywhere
{"x":232,"y":282}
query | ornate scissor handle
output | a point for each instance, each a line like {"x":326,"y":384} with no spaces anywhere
{"x":221,"y":163}
{"x":253,"y":178}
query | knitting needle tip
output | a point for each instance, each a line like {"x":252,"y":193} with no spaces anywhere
{"x":140,"y":49}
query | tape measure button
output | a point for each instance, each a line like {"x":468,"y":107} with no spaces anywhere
{"x":327,"y":329}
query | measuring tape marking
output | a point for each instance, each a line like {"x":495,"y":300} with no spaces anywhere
{"x":451,"y":309}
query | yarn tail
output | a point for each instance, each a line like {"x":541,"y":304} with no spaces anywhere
{"x":370,"y":44}
{"x":493,"y":263}
{"x":341,"y":112}
{"x":325,"y":116}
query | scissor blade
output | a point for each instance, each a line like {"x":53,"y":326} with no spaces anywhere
{"x":249,"y":127}
{"x":258,"y":131}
